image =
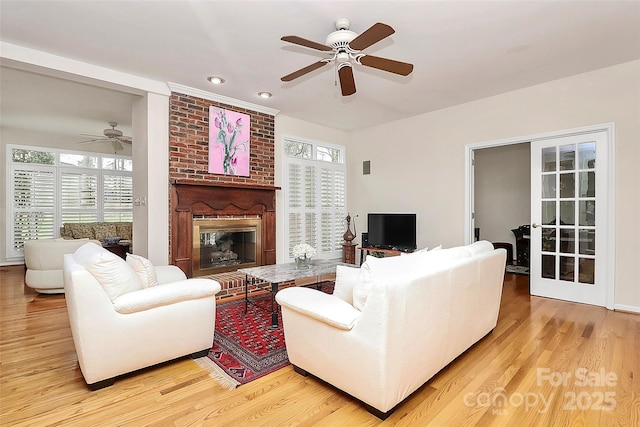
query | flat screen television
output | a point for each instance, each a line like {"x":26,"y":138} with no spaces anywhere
{"x":392,"y":231}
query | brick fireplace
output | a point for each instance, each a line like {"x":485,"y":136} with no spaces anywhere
{"x":192,"y":202}
{"x":197,"y":195}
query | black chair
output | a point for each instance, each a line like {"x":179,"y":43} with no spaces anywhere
{"x":522,"y":234}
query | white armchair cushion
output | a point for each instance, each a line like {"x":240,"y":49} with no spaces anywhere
{"x":112,"y":272}
{"x":320,"y":306}
{"x":165,"y":294}
{"x":144,"y":270}
{"x":346,"y":278}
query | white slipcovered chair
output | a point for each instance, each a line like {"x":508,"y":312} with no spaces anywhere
{"x":130,"y":315}
{"x":394,"y":323}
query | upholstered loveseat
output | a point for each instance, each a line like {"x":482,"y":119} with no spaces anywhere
{"x":394,"y":323}
{"x":97,"y":230}
{"x":125,"y":316}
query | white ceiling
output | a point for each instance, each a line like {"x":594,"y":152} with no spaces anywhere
{"x":462,"y":51}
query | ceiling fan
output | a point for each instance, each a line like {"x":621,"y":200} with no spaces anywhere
{"x":112,"y":135}
{"x":346,"y":47}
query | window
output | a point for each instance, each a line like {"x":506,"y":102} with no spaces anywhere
{"x":315,"y":195}
{"x":48,"y":187}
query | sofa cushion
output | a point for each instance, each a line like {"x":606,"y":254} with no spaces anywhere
{"x":112,"y":272}
{"x":144,"y":270}
{"x":82,"y":231}
{"x":104,"y":229}
{"x":124,"y":230}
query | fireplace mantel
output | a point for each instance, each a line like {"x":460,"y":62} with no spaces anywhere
{"x":196,"y":198}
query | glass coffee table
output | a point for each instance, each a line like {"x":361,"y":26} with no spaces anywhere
{"x":269,"y":277}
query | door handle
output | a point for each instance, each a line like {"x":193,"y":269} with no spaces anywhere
{"x":534,"y":225}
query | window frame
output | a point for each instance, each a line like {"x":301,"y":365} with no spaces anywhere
{"x":58,"y":169}
{"x":339,"y":214}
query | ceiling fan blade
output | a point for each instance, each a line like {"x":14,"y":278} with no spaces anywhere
{"x":307,"y":43}
{"x":347,"y":83}
{"x":125,"y":139}
{"x":301,"y":72}
{"x":384,"y":64}
{"x":117,"y":145}
{"x":374,"y":34}
{"x":92,"y":140}
{"x":92,"y":135}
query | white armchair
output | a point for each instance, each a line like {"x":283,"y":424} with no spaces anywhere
{"x":122,"y":321}
{"x":393,"y":324}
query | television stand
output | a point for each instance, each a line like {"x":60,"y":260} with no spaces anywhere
{"x":365,"y":251}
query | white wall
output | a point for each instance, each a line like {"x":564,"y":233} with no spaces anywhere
{"x":502,"y":191}
{"x":418,"y":164}
{"x":288,"y":126}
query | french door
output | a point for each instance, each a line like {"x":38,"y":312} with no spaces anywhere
{"x":569,"y":215}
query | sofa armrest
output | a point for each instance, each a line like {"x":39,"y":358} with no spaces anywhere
{"x":165,"y":294}
{"x":320,"y":306}
{"x":169,"y":273}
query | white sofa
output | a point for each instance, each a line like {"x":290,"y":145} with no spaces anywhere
{"x":392,"y":325}
{"x":43,"y":259}
{"x":126,"y":316}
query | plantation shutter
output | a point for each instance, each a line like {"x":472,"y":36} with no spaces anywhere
{"x":332,"y":191}
{"x":301,"y":204}
{"x":118,"y":197}
{"x":78,"y":196}
{"x":33,"y":205}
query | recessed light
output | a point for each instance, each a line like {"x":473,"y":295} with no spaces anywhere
{"x":216,"y":80}
{"x":265,"y":95}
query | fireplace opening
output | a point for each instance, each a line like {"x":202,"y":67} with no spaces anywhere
{"x":225,"y":244}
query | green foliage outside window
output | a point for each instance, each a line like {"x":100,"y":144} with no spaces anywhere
{"x":33,"y":156}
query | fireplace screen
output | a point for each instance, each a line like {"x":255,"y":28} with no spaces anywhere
{"x":225,"y":245}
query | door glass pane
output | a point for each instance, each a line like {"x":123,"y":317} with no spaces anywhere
{"x":549,"y":213}
{"x":587,"y":212}
{"x":567,"y":185}
{"x":549,"y":239}
{"x":548,"y":186}
{"x":587,"y":244}
{"x":586,"y":272}
{"x":567,"y":241}
{"x":567,"y":268}
{"x":567,"y":213}
{"x":567,"y":157}
{"x":548,"y":266}
{"x":549,"y":159}
{"x":587,"y":184}
{"x":587,"y":155}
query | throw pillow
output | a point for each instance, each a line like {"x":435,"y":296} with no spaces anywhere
{"x":124,"y":230}
{"x":144,"y":270}
{"x":112,"y":272}
{"x":362,"y":286}
{"x":346,"y":278}
{"x":103,"y":230}
{"x":81,"y":231}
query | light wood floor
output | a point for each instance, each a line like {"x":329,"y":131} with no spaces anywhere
{"x":509,"y":378}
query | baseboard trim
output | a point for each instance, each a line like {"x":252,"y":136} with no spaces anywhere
{"x":627,"y":308}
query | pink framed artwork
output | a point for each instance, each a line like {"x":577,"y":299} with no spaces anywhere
{"x":228,"y":142}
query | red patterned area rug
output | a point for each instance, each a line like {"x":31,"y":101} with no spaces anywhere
{"x":245,"y":347}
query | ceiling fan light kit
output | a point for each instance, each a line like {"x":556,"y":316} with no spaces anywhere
{"x":347,"y":47}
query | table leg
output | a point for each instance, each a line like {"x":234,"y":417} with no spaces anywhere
{"x":246,"y":293}
{"x":274,"y":306}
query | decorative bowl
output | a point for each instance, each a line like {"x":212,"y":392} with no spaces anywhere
{"x":112,"y":240}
